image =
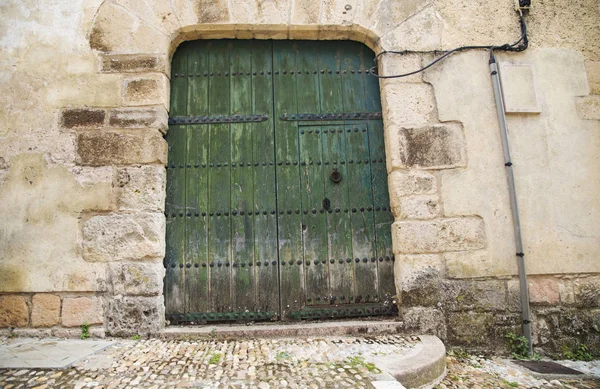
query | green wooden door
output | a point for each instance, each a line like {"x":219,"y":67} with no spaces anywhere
{"x":277,"y":202}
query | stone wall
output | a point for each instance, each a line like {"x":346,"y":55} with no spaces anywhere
{"x":82,"y":181}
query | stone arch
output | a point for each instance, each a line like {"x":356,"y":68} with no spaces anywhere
{"x":137,"y":38}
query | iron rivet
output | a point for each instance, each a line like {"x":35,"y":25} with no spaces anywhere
{"x":282,"y":263}
{"x":314,"y":211}
{"x":188,"y":265}
{"x":289,"y":212}
{"x":357,"y":260}
{"x":332,"y":261}
{"x":380,"y":259}
{"x":181,"y":265}
{"x":298,"y":262}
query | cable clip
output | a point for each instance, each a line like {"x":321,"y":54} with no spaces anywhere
{"x":520,"y":255}
{"x":508,"y":164}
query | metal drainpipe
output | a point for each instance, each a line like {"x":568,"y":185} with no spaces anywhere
{"x":524,"y":290}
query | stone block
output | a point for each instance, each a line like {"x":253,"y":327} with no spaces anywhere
{"x":14,"y":311}
{"x":419,"y":279}
{"x":407,"y":104}
{"x":121,"y":148}
{"x":141,"y":188}
{"x":593,"y":74}
{"x":433,"y":147}
{"x":438,"y":235}
{"x":543,"y":291}
{"x":566,"y":292}
{"x":422,"y":320}
{"x":108,"y":238}
{"x":514,"y":295}
{"x":82,"y":118}
{"x":469,"y":295}
{"x":137,"y":279}
{"x":135,"y":315}
{"x":414,"y":182}
{"x":587,"y":292}
{"x":470,"y":328}
{"x":403,"y":183}
{"x":116,"y":29}
{"x":418,"y":207}
{"x":589,"y":107}
{"x":147,"y":90}
{"x":118,"y":237}
{"x":478,"y":263}
{"x":394,"y":64}
{"x":46,"y":310}
{"x":124,"y":63}
{"x":81,"y":310}
{"x":144,"y":117}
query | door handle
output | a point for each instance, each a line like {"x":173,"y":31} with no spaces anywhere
{"x":335,"y":176}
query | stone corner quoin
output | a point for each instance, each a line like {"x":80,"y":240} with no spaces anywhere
{"x":439,"y":235}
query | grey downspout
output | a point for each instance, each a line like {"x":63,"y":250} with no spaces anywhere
{"x":524,"y":290}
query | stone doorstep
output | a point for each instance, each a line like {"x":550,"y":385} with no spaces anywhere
{"x":421,"y":368}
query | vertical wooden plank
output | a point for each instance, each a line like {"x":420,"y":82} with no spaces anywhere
{"x":175,"y":201}
{"x":359,"y":176}
{"x":314,"y":223}
{"x":267,"y":284}
{"x":219,"y":197}
{"x":197,"y":181}
{"x":341,"y":270}
{"x":265,"y":228}
{"x":382,"y":214}
{"x":243,"y":165}
{"x":291,"y":259}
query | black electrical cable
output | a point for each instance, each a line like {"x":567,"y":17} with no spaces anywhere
{"x":519,"y":45}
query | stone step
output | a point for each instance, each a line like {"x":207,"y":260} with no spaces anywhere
{"x":415,"y":361}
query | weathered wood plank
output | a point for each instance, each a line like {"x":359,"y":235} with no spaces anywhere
{"x":176,"y":192}
{"x":359,"y":175}
{"x":265,"y":249}
{"x":291,"y":270}
{"x":341,"y":271}
{"x":196,"y":293}
{"x":314,"y":223}
{"x":242,"y":179}
{"x":219,"y":196}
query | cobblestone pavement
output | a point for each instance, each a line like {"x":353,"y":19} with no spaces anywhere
{"x":330,"y":362}
{"x":333,"y":362}
{"x":478,"y":372}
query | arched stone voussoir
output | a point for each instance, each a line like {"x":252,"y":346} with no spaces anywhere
{"x":420,"y":32}
{"x":117,"y":30}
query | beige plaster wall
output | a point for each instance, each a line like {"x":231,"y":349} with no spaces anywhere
{"x":65,"y":181}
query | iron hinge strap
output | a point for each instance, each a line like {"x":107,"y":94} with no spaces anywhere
{"x":331,"y":116}
{"x":217,"y":119}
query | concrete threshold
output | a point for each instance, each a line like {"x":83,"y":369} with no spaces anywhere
{"x":421,"y":366}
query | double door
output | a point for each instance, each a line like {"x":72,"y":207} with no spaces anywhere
{"x":277,"y":202}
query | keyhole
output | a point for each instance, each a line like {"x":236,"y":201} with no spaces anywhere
{"x":326,"y":203}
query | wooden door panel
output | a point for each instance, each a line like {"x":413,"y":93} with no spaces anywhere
{"x":256,"y":228}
